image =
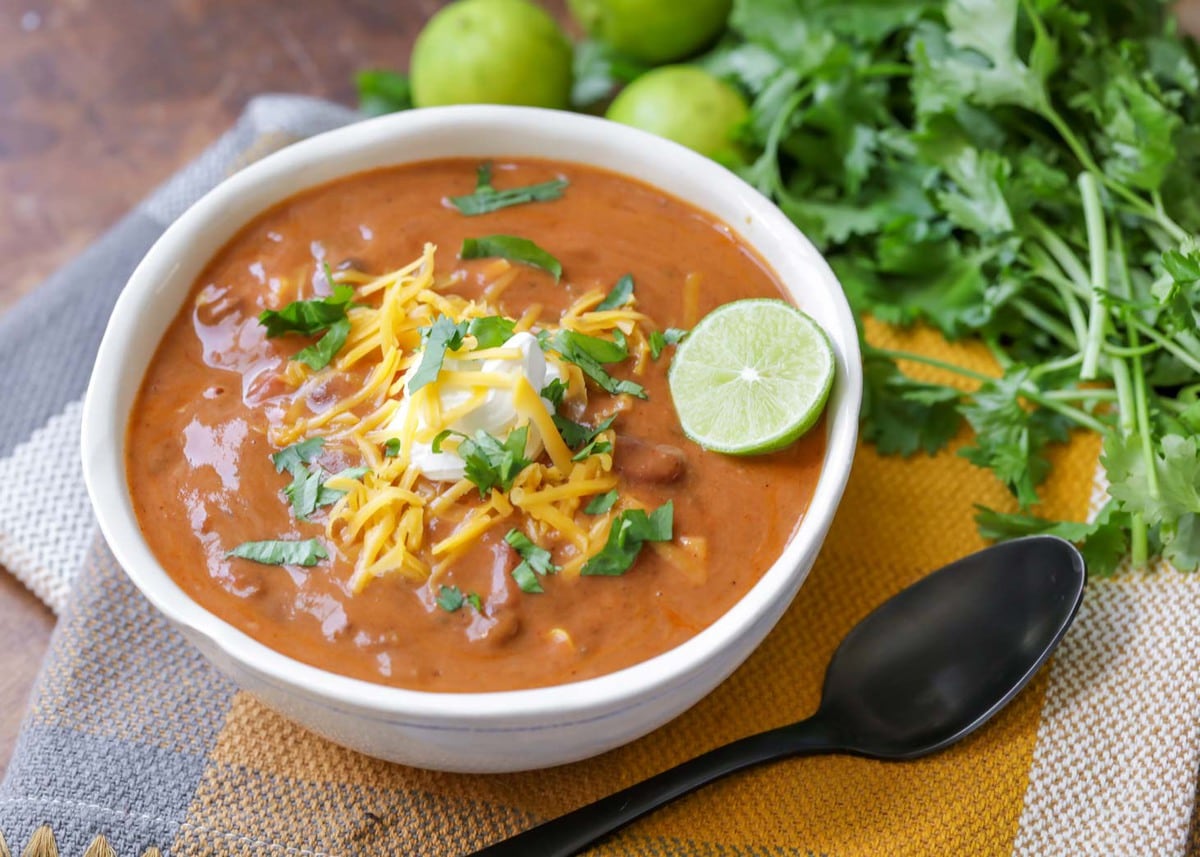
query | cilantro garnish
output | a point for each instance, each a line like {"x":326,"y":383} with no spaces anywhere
{"x":601,"y":503}
{"x":311,"y":317}
{"x":391,"y":447}
{"x":534,"y":561}
{"x":660,"y":339}
{"x":554,"y":392}
{"x":451,"y":599}
{"x":619,"y":296}
{"x":520,"y":250}
{"x":442,"y":336}
{"x":590,"y":353}
{"x":630,"y":530}
{"x":581,"y":438}
{"x":298,"y":454}
{"x":491,"y":331}
{"x":487,"y":199}
{"x":489,"y":462}
{"x":308,"y":491}
{"x":282,"y":552}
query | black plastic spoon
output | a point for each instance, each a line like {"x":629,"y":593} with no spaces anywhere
{"x":926,"y":668}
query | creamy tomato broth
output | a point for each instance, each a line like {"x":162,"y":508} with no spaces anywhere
{"x":221,"y":398}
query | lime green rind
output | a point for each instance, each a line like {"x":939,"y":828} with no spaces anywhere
{"x":793,"y":357}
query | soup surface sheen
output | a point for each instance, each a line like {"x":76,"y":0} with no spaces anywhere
{"x":200,"y":438}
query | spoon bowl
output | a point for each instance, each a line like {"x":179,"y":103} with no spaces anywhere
{"x":937,"y":660}
{"x":923,"y":670}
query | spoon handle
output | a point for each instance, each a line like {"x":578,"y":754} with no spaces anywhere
{"x":570,"y":833}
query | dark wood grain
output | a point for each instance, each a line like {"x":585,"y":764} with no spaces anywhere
{"x":100,"y":100}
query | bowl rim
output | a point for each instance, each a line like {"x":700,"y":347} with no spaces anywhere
{"x":640,"y":683}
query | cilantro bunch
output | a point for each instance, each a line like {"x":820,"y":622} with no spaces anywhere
{"x":1021,"y":172}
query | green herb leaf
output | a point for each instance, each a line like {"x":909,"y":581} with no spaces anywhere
{"x":298,"y":454}
{"x":307,"y":317}
{"x":442,"y":336}
{"x":598,"y":71}
{"x":902,"y":416}
{"x":449,"y":598}
{"x":327,"y":496}
{"x":486,"y":198}
{"x":660,"y":339}
{"x":475,"y":601}
{"x":534,"y":561}
{"x":554,"y":392}
{"x":589,"y":353}
{"x":601,"y":503}
{"x":489,"y":462}
{"x":311,"y":317}
{"x":318,"y":355}
{"x":581,"y":438}
{"x":381,"y":91}
{"x":282,"y":552}
{"x":519,"y":250}
{"x":619,"y":296}
{"x":391,"y":448}
{"x":491,"y":331}
{"x":630,"y":530}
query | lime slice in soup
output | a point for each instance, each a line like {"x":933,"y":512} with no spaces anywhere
{"x":751,"y":377}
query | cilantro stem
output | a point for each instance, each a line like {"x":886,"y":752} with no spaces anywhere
{"x":1166,"y":342}
{"x":1138,"y":419}
{"x":934,"y":362}
{"x":1081,"y":418}
{"x":1098,"y":394}
{"x":1056,"y":365}
{"x":1033,"y":313}
{"x":1093,"y":215}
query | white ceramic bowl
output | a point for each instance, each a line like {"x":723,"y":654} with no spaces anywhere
{"x":483,"y":732}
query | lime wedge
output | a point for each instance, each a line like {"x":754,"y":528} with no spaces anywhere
{"x":751,"y":377}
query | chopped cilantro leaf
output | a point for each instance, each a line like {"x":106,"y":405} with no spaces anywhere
{"x":311,"y":317}
{"x":526,"y":580}
{"x":307,"y":317}
{"x":486,"y":198}
{"x":534,"y":561}
{"x":451,"y":599}
{"x":520,"y":250}
{"x":491,"y":331}
{"x":589,"y":353}
{"x":282,"y":552}
{"x":392,"y":448}
{"x":630,"y":530}
{"x":554,"y":392}
{"x":619,"y":296}
{"x":318,"y":355}
{"x":442,"y":336}
{"x":490,"y":462}
{"x":581,"y":438}
{"x":601,"y":503}
{"x":327,"y":496}
{"x":291,"y":457}
{"x":660,"y":339}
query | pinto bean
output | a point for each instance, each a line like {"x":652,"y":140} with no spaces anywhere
{"x":644,"y":461}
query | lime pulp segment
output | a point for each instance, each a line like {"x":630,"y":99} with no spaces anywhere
{"x":751,"y":377}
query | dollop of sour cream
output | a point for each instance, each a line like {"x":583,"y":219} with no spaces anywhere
{"x":496,"y":414}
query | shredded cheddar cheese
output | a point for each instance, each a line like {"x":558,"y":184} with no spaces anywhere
{"x":361,"y":404}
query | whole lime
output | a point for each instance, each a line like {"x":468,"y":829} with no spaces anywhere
{"x":491,"y":52}
{"x":654,"y":31}
{"x":685,"y":104}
